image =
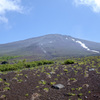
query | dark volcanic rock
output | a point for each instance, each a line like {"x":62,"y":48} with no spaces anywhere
{"x":4,"y":62}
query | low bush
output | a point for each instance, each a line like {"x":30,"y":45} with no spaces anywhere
{"x":21,"y":65}
{"x":68,"y":62}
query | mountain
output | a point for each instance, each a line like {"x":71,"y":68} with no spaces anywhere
{"x":52,"y":45}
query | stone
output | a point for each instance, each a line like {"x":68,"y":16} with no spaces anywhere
{"x":5,"y":79}
{"x":86,"y":75}
{"x":49,"y":76}
{"x":4,"y":62}
{"x":52,"y":72}
{"x":86,"y":97}
{"x":35,"y":96}
{"x":92,"y":69}
{"x":85,"y":85}
{"x":58,"y":86}
{"x":3,"y":96}
{"x":68,"y":83}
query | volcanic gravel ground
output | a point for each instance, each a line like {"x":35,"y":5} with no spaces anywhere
{"x":36,"y":84}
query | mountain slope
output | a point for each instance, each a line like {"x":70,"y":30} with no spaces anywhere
{"x":52,"y":45}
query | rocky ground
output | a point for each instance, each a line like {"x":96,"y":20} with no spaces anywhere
{"x":80,"y":81}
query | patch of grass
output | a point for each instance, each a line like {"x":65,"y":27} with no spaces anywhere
{"x":89,"y":91}
{"x":58,"y":75}
{"x":80,"y":94}
{"x":6,"y":88}
{"x":1,"y":79}
{"x":72,"y":79}
{"x":26,"y":76}
{"x":72,"y":89}
{"x":6,"y":58}
{"x":65,"y":70}
{"x":37,"y":86}
{"x":71,"y":94}
{"x":20,"y":80}
{"x":79,"y":88}
{"x":79,"y":99}
{"x":27,"y":95}
{"x":7,"y":83}
{"x":46,"y":89}
{"x":42,"y":82}
{"x":52,"y":83}
{"x":56,"y":79}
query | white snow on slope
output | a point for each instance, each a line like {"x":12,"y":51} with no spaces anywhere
{"x":66,"y":38}
{"x":95,"y":51}
{"x":41,"y":46}
{"x":73,"y":39}
{"x":43,"y":50}
{"x":84,"y":46}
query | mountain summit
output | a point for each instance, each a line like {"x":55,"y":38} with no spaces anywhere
{"x":52,"y":45}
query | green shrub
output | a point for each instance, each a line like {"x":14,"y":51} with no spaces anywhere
{"x":68,"y":61}
{"x":23,"y":64}
{"x":38,"y":63}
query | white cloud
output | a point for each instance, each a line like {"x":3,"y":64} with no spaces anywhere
{"x":94,"y":4}
{"x":3,"y":19}
{"x":9,"y":5}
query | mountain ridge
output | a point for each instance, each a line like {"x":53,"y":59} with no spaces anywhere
{"x":46,"y":35}
{"x":51,"y":45}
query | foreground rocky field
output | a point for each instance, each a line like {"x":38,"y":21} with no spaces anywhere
{"x":78,"y":81}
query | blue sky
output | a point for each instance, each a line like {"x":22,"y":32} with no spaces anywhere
{"x":23,"y":19}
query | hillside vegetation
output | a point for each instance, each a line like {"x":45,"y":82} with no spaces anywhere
{"x":23,"y":64}
{"x":6,"y":58}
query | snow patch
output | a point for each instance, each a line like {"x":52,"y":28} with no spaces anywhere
{"x":85,"y":47}
{"x":41,"y":46}
{"x":95,"y":51}
{"x":66,"y":38}
{"x":43,"y":50}
{"x":73,"y":39}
